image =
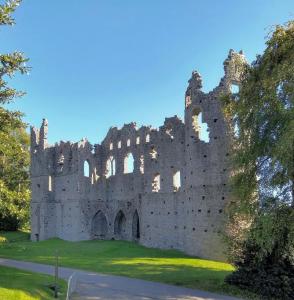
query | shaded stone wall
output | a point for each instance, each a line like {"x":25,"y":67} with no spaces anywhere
{"x":174,"y":197}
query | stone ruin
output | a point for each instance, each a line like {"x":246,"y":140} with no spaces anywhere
{"x":164,"y":188}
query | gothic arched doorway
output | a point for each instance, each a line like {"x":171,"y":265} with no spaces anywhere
{"x":99,"y":226}
{"x":120,"y":224}
{"x":136,"y":226}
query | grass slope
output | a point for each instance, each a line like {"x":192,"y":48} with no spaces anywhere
{"x":23,"y":285}
{"x":123,"y":258}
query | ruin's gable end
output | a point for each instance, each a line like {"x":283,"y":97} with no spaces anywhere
{"x":173,"y":198}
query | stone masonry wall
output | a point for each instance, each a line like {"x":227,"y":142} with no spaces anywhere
{"x":174,"y":197}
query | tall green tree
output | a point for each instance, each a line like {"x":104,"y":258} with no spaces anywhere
{"x":262,"y":115}
{"x":14,"y":141}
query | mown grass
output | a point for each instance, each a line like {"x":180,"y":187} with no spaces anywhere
{"x":125,"y":259}
{"x":23,"y":285}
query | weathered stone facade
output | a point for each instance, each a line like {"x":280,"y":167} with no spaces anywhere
{"x":173,"y":198}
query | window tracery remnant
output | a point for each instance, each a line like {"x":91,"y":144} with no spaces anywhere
{"x":110,"y":167}
{"x":95,"y":176}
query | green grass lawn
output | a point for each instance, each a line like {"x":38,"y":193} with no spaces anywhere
{"x":23,"y":285}
{"x":123,"y":258}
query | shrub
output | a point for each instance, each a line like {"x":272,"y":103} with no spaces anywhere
{"x":267,"y":264}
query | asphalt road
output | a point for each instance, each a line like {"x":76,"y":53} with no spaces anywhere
{"x":94,"y":286}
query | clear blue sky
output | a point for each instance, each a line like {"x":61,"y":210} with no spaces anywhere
{"x":102,"y":63}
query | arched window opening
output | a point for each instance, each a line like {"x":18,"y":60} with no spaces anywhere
{"x":113,"y":168}
{"x":176,"y":181}
{"x":153,"y":153}
{"x":119,"y":144}
{"x":156,"y":183}
{"x":86,"y":169}
{"x":136,"y":226}
{"x":234,"y":88}
{"x":110,"y":167}
{"x":129,"y":163}
{"x":142,"y":164}
{"x":128,"y":142}
{"x":137,"y":140}
{"x":99,"y":226}
{"x":200,"y":128}
{"x":50,"y":183}
{"x":120,"y":224}
{"x":147,"y":138}
{"x":110,"y":146}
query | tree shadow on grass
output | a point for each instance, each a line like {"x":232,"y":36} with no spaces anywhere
{"x":126,"y":259}
{"x":18,"y":284}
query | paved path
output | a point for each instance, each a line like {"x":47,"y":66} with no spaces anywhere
{"x":96,"y":286}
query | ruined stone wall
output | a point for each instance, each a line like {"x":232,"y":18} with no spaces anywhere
{"x":173,"y":198}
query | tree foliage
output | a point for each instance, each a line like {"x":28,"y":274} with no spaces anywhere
{"x":261,"y":218}
{"x":267,"y":264}
{"x":14,"y":145}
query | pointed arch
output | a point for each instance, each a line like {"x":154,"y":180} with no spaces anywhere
{"x":99,"y":226}
{"x":136,"y":226}
{"x":86,"y":168}
{"x":120,"y":224}
{"x":129,"y":163}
